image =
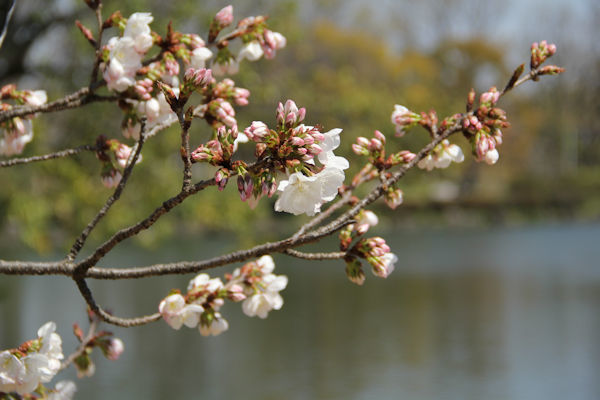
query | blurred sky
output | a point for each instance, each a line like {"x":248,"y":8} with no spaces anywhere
{"x":422,"y":24}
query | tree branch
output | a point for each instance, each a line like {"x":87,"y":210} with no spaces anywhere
{"x":315,"y":256}
{"x":76,"y":99}
{"x":50,"y":156}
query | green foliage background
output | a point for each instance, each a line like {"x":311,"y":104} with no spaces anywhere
{"x":345,"y":77}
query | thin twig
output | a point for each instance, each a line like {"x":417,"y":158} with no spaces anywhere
{"x":50,"y":156}
{"x":77,"y":99}
{"x":82,"y":346}
{"x":315,"y":256}
{"x":106,"y":317}
{"x":346,"y":197}
{"x":98,"y":58}
{"x":7,"y":21}
{"x":80,"y":241}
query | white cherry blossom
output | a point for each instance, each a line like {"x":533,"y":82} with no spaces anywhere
{"x":267,"y":298}
{"x":330,"y":143}
{"x":176,"y":313}
{"x":138,"y":30}
{"x":251,"y":51}
{"x":302,"y":194}
{"x":64,"y":390}
{"x":199,"y":57}
{"x":217,"y":326}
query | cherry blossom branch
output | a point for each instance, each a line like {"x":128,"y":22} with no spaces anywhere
{"x":76,"y":99}
{"x":80,"y":241}
{"x":378,"y":191}
{"x":85,"y":268}
{"x":50,"y":156}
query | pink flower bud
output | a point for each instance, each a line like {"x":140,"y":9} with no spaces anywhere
{"x":195,"y":41}
{"x":290,"y":106}
{"x":172,"y":66}
{"x":362,"y":141}
{"x":241,"y":96}
{"x":236,"y":293}
{"x":200,"y":154}
{"x":224,"y":17}
{"x":359,"y":149}
{"x":257,"y":131}
{"x":308,"y":139}
{"x":301,"y":114}
{"x":290,"y":119}
{"x":296,"y":141}
{"x":375,"y":145}
{"x":317,"y":136}
{"x":314,"y":149}
{"x":380,"y":136}
{"x":221,"y":178}
{"x":198,"y":77}
{"x":407,"y":156}
{"x":280,"y":113}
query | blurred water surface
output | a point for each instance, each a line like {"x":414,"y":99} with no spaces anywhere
{"x":511,"y":313}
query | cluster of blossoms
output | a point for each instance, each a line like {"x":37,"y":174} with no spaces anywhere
{"x":483,"y":128}
{"x":125,"y":53}
{"x":254,"y":284}
{"x":152,"y":90}
{"x":378,"y":254}
{"x":296,"y":146}
{"x":18,"y":131}
{"x":375,"y":250}
{"x":292,"y":148}
{"x":124,"y":73}
{"x":374,"y":148}
{"x":257,"y":39}
{"x":34,"y":362}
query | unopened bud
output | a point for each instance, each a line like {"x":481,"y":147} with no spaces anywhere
{"x":86,"y":33}
{"x":224,"y":17}
{"x":380,"y":136}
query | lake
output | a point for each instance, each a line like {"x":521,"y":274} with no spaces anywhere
{"x":507,"y":313}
